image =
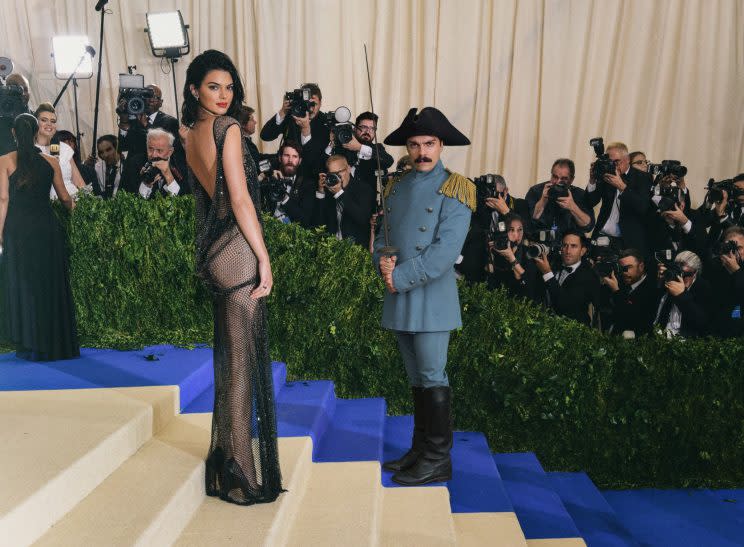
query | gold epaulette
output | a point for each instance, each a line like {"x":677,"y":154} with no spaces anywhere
{"x":460,"y":188}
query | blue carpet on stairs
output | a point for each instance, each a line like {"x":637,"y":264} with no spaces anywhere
{"x":681,"y":517}
{"x":355,"y":432}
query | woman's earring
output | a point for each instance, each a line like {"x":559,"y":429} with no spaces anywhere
{"x":196,"y":96}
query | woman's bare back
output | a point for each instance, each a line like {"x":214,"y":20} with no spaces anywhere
{"x":201,"y":154}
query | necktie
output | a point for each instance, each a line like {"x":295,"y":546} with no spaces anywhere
{"x":665,"y":312}
{"x":110,"y":180}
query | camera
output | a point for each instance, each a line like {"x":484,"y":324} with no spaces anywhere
{"x":673,"y":272}
{"x":534,"y":250}
{"x":276,"y":188}
{"x":300,"y":103}
{"x":489,"y":186}
{"x":666,"y":196}
{"x":499,"y":236}
{"x":605,"y":257}
{"x":716,"y":189}
{"x":332,"y":179}
{"x":337,"y":121}
{"x":725,"y":247}
{"x":667,"y":167}
{"x":149,"y":172}
{"x":132,"y":90}
{"x":558,"y":191}
{"x":541,"y":242}
{"x":603,"y":164}
{"x":11,"y":96}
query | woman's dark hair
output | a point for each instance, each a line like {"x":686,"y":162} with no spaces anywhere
{"x":25,"y":127}
{"x":110,"y":138}
{"x":198,"y":69}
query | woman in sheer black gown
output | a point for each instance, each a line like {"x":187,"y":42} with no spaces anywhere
{"x":38,"y":314}
{"x":231,"y":258}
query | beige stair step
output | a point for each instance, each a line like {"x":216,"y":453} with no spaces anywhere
{"x":496,"y":529}
{"x":59,"y":445}
{"x":558,"y":542}
{"x":147,"y":501}
{"x":216,"y":522}
{"x":341,"y":506}
{"x":417,"y":516}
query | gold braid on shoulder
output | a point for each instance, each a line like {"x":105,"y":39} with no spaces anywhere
{"x":460,"y":188}
{"x":390,"y":184}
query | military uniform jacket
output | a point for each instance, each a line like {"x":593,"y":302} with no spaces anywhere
{"x":428,"y":216}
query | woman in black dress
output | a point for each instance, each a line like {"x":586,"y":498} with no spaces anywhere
{"x":242,"y":465}
{"x":39,"y":313}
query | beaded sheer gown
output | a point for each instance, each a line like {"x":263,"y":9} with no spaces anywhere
{"x":243,"y":464}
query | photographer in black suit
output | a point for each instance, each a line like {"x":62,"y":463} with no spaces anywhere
{"x":361,"y":152}
{"x":575,"y":287}
{"x":159,"y":171}
{"x":133,"y":133}
{"x":509,"y":266}
{"x":557,"y":204}
{"x":671,"y":225}
{"x":294,"y":193}
{"x":726,"y":275}
{"x":686,"y":306}
{"x":633,"y":296}
{"x":342,"y":203}
{"x":308,"y":130}
{"x":625,"y":201}
{"x":7,"y":140}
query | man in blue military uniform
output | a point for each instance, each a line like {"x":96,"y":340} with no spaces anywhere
{"x":428,"y":213}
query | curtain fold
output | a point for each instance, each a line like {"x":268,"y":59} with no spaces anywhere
{"x":527,"y":80}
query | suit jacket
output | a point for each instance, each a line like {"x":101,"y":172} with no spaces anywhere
{"x":483,"y":215}
{"x":357,"y":200}
{"x":313,"y":152}
{"x":635,"y":310}
{"x":529,"y":286}
{"x":555,"y":215}
{"x":428,"y":227}
{"x":634,"y":205}
{"x":364,"y":170}
{"x":135,"y":141}
{"x":300,"y":206}
{"x":131,"y":178}
{"x":696,"y":305}
{"x":99,"y":187}
{"x":661,"y":236}
{"x":728,"y":290}
{"x":572,"y":299}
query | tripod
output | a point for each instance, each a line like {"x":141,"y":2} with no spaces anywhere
{"x":72,"y":79}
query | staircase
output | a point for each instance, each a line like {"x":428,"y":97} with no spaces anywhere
{"x":123,"y":464}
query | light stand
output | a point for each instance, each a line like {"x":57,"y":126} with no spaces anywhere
{"x":66,"y":49}
{"x":100,"y":6}
{"x":169,"y":38}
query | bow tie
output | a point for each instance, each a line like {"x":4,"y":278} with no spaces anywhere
{"x":568,"y":269}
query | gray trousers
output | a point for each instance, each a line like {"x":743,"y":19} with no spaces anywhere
{"x":425,"y":356}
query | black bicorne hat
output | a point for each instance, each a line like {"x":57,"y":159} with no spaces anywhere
{"x":429,"y":121}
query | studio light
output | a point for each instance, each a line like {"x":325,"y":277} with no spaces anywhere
{"x":68,"y":52}
{"x":168,"y":34}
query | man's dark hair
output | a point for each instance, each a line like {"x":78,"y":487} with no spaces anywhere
{"x":582,"y":238}
{"x":733,"y":231}
{"x":366,"y":116}
{"x":110,"y":138}
{"x":294,"y":145}
{"x":314,"y":90}
{"x":565,"y":162}
{"x":244,"y":114}
{"x":635,"y":253}
{"x":739,"y":177}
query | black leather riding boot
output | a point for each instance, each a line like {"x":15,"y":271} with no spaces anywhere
{"x":419,"y":430}
{"x":434,"y":463}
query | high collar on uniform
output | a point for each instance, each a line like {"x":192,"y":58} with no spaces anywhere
{"x":436,"y":172}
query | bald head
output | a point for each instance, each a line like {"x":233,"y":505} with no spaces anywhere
{"x":21,"y":81}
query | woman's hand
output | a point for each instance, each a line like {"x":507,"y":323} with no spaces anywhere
{"x":266,"y":280}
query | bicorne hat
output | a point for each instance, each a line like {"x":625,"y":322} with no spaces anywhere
{"x":429,"y":121}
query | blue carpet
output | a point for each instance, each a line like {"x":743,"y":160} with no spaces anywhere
{"x":355,"y":432}
{"x":305,"y":408}
{"x":191,"y":370}
{"x":596,"y":520}
{"x":539,"y":509}
{"x":398,"y":431}
{"x":681,"y":517}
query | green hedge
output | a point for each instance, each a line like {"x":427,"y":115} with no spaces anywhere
{"x":648,"y":412}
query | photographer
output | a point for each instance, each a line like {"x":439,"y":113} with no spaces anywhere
{"x":133,"y":133}
{"x":495,"y":202}
{"x":575,"y":287}
{"x":160,"y":171}
{"x":633,"y":296}
{"x":557,"y":204}
{"x":342,"y":203}
{"x":624,"y":193}
{"x":509,"y":265}
{"x":108,"y":167}
{"x":685,"y":305}
{"x":290,"y":196}
{"x":669,"y":226}
{"x":7,"y":141}
{"x":304,"y":127}
{"x":726,"y":275}
{"x":727,"y":208}
{"x":361,"y":151}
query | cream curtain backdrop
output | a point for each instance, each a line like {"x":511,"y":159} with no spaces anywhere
{"x":527,"y":80}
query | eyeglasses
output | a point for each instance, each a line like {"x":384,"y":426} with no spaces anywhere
{"x":641,"y":162}
{"x":366,"y":128}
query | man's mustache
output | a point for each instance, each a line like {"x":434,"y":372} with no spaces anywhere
{"x":423,"y":159}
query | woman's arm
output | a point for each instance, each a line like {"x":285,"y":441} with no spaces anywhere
{"x":59,"y":185}
{"x":4,"y":194}
{"x":77,"y":178}
{"x":243,"y":208}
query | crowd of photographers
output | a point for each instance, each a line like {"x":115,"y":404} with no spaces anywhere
{"x":646,"y":261}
